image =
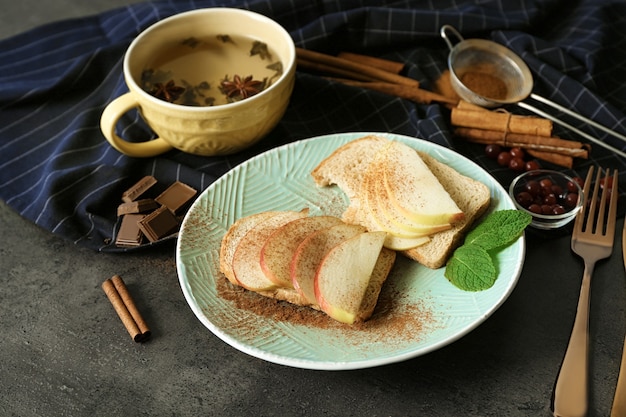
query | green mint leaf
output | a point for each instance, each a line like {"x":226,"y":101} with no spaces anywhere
{"x":499,"y":229}
{"x":471,"y":269}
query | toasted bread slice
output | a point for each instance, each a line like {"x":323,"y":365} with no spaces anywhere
{"x":347,"y":165}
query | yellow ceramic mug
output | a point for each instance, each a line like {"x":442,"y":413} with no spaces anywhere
{"x":209,"y":129}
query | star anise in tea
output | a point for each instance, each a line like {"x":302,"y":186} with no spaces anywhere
{"x":241,"y":88}
{"x":169,"y":91}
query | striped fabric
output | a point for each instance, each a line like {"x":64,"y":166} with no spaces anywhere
{"x":57,"y":170}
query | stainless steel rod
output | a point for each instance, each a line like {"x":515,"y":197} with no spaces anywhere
{"x":578,"y":116}
{"x":572,"y":128}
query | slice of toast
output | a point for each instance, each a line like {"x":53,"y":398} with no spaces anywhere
{"x":346,"y":166}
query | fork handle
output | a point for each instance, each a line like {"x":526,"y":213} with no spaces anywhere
{"x":570,"y":391}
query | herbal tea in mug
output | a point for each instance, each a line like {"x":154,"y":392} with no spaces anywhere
{"x":229,"y":91}
{"x":211,"y":71}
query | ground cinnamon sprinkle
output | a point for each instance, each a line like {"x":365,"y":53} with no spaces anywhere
{"x":392,"y":318}
{"x":393,"y":321}
{"x":270,"y":308}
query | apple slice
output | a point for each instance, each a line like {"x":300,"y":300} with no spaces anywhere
{"x":278,"y":250}
{"x":414,"y":190}
{"x":344,"y":274}
{"x":401,"y":222}
{"x":232,"y":238}
{"x":381,"y":214}
{"x":373,"y":217}
{"x":404,"y":243}
{"x":310,"y":253}
{"x":390,"y":212}
{"x":246,"y":266}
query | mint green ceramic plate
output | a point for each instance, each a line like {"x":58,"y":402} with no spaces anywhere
{"x":419,"y":310}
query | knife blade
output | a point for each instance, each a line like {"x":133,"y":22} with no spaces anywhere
{"x":619,"y":400}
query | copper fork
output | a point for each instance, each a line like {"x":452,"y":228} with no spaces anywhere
{"x":592,"y":240}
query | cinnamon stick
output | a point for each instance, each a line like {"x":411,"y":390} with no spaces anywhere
{"x":500,"y":121}
{"x":466,"y":105}
{"x":305,"y":55}
{"x":329,"y":69}
{"x":407,"y":92}
{"x":565,"y":161}
{"x":380,"y":63}
{"x":124,"y":306}
{"x":534,"y":142}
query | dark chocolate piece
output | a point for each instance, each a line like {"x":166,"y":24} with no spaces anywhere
{"x":139,"y":206}
{"x":137,"y":190}
{"x":176,"y":197}
{"x":158,"y":224}
{"x":129,"y":234}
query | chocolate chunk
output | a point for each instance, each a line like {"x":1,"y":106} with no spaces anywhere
{"x":137,"y":190}
{"x":176,"y":197}
{"x":129,"y":234}
{"x":139,"y":206}
{"x":158,"y":224}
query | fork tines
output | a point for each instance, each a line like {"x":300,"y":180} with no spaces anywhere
{"x":593,"y":210}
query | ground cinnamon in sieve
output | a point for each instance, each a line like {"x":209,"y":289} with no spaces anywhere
{"x":485,"y":84}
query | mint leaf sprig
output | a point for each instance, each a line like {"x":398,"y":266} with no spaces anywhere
{"x":472,"y":267}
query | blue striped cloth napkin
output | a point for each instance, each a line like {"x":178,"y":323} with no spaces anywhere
{"x":57,"y":170}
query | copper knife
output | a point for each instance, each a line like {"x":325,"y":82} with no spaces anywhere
{"x":619,"y":401}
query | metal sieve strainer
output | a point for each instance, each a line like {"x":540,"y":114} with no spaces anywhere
{"x":508,"y":70}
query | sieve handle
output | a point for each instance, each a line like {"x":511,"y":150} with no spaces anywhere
{"x":570,"y":127}
{"x":578,"y":116}
{"x":444,"y":35}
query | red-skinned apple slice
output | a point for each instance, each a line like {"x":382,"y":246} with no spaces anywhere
{"x":310,"y":254}
{"x":344,"y":274}
{"x":232,"y":238}
{"x":246,"y":266}
{"x":281,"y":246}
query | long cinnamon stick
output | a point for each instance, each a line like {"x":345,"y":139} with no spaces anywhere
{"x":500,"y":121}
{"x":124,"y":306}
{"x":410,"y":93}
{"x":329,"y":69}
{"x":380,"y":63}
{"x":306,"y":55}
{"x":539,"y":143}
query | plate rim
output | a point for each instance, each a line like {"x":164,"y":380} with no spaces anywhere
{"x":357,"y":363}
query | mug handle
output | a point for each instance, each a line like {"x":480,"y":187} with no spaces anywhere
{"x":108,"y":121}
